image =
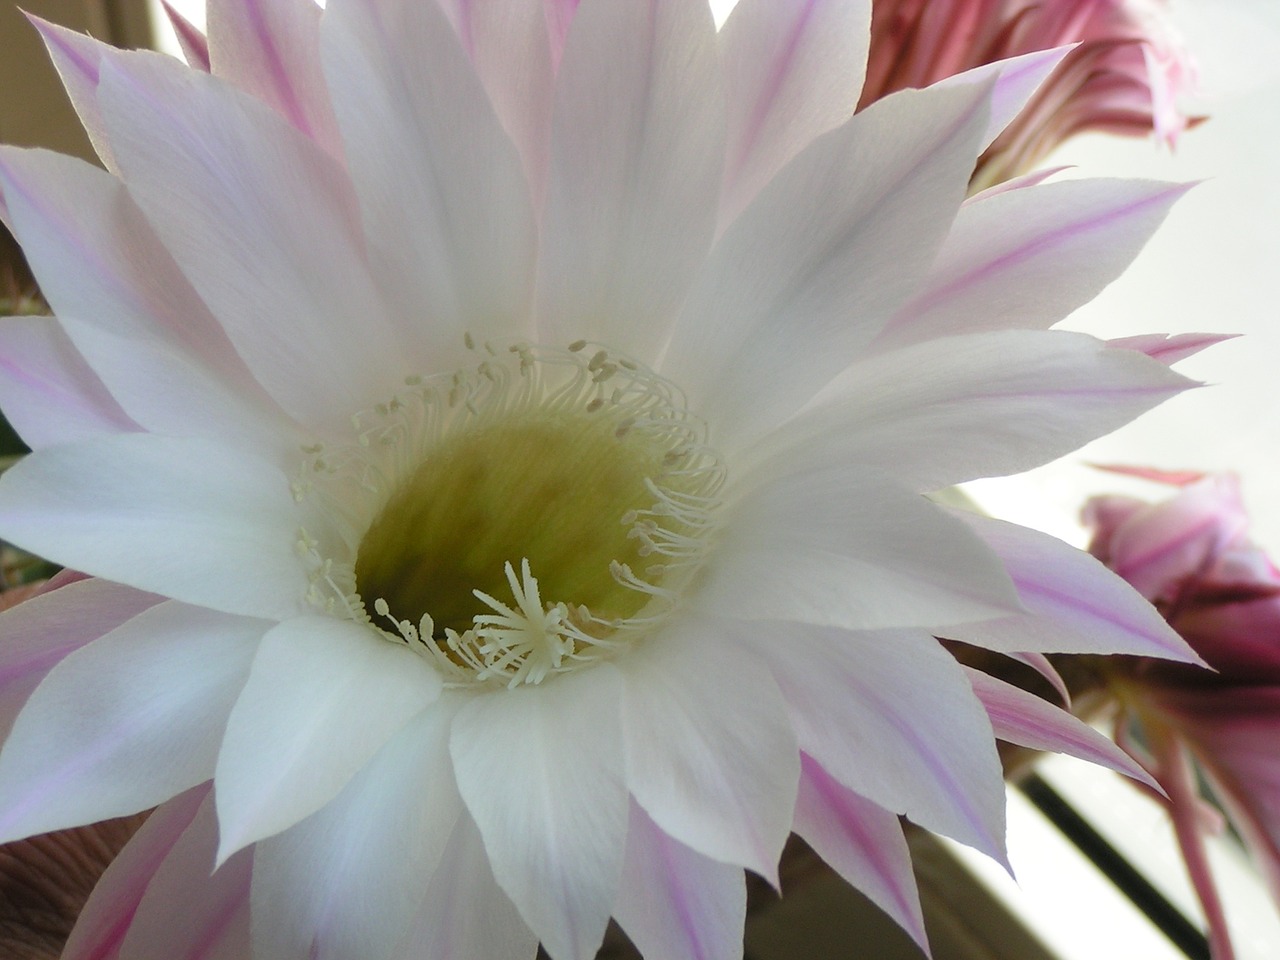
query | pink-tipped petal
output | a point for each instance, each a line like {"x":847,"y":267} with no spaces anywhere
{"x":104,"y":922}
{"x":1076,"y":605}
{"x":48,"y":392}
{"x":271,"y":49}
{"x":713,"y":764}
{"x":194,"y":44}
{"x":78,"y":59}
{"x":792,"y":72}
{"x":191,"y":911}
{"x":291,"y":744}
{"x":510,"y":48}
{"x":1170,"y":348}
{"x":1017,"y":80}
{"x":1023,"y":718}
{"x":637,"y":146}
{"x":1041,"y":665}
{"x":802,"y":548}
{"x":444,"y":199}
{"x":43,"y":630}
{"x":891,"y":716}
{"x":285,"y":226}
{"x":555,"y":834}
{"x":808,"y":274}
{"x":863,"y":842}
{"x":126,"y":721}
{"x":1027,"y":258}
{"x":675,"y":903}
{"x":127,"y":307}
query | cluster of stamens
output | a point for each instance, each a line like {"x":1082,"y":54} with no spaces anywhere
{"x":575,"y":414}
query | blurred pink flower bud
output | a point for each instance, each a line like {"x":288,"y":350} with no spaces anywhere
{"x":1127,"y":76}
{"x":1191,"y":556}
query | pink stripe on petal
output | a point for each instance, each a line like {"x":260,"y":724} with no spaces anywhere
{"x":77,"y":59}
{"x":1023,"y":718}
{"x":195,"y":46}
{"x":1170,"y":348}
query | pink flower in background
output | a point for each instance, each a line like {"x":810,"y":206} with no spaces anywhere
{"x":499,"y":437}
{"x":1192,"y":557}
{"x":1127,"y":76}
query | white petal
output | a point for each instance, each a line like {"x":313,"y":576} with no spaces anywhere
{"x":77,"y":58}
{"x":891,"y":716}
{"x":265,"y":226}
{"x":464,"y":914}
{"x":809,"y":273}
{"x":792,"y":72}
{"x":636,"y":153}
{"x":346,"y":881}
{"x":1025,"y":719}
{"x":445,"y":201}
{"x":1027,"y":258}
{"x":675,"y":903}
{"x":104,"y":921}
{"x":541,"y":771}
{"x":190,"y":911}
{"x":190,"y":519}
{"x":40,"y":632}
{"x":979,"y":405}
{"x":832,"y":545}
{"x":125,"y":722}
{"x":271,"y":49}
{"x":127,"y":307}
{"x":509,"y":45}
{"x":48,"y":392}
{"x":1075,"y":604}
{"x":710,"y":752}
{"x":862,"y":842}
{"x":322,"y":698}
{"x":1016,"y":81}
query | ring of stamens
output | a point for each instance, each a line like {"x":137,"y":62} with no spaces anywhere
{"x":527,"y":515}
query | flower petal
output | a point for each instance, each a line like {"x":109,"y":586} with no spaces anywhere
{"x":862,"y":842}
{"x":891,"y":716}
{"x":271,"y":49}
{"x":445,"y":201}
{"x":510,"y":48}
{"x":555,"y":832}
{"x":265,"y":226}
{"x":710,"y":753}
{"x":346,"y":881}
{"x":127,"y":307}
{"x":126,"y":721}
{"x":191,"y":911}
{"x":675,"y":903}
{"x":792,"y":72}
{"x":1023,"y":718}
{"x":78,"y":60}
{"x":464,"y":913}
{"x":1027,"y":258}
{"x":40,"y":632}
{"x":48,"y":392}
{"x":190,"y":519}
{"x":980,"y":405}
{"x":809,"y":273}
{"x":636,"y":153}
{"x":1016,"y":81}
{"x":194,"y":44}
{"x":322,"y":698}
{"x":104,"y":921}
{"x":831,"y":545}
{"x":1076,"y":604}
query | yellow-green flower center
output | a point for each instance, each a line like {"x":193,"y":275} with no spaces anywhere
{"x":522,"y":518}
